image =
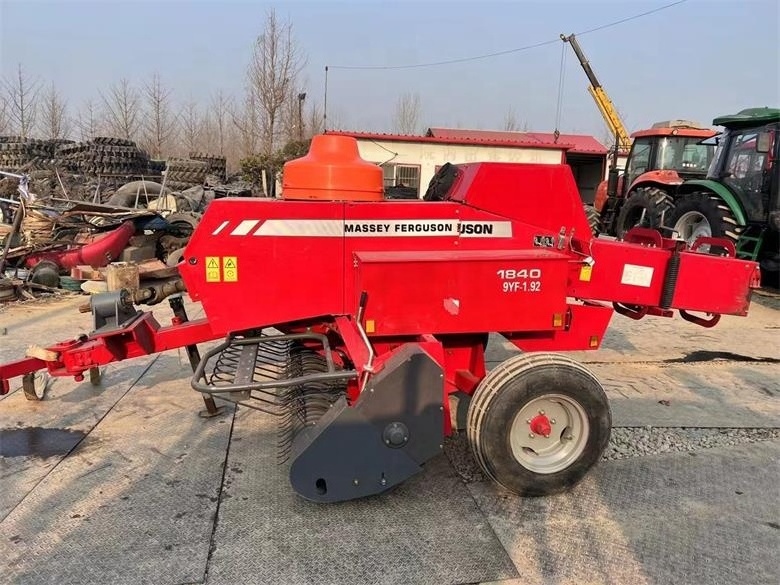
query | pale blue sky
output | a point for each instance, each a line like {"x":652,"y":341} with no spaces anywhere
{"x":696,"y":60}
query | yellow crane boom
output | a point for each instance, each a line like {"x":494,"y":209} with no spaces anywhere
{"x":604,"y":104}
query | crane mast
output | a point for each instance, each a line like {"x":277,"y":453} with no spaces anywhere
{"x":604,"y":104}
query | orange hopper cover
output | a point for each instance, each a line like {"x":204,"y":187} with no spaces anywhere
{"x":332,"y":171}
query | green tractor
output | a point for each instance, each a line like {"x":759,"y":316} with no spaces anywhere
{"x":738,"y":199}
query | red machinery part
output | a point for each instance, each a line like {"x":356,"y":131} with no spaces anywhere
{"x":104,"y":249}
{"x":386,"y":308}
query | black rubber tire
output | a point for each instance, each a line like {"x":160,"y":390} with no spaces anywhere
{"x":35,"y":385}
{"x":504,"y":392}
{"x":656,"y":204}
{"x":594,"y":220}
{"x":182,"y":224}
{"x":722,"y":222}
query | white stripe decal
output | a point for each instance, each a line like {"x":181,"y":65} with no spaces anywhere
{"x":245,"y":227}
{"x":360,"y":228}
{"x":221,"y":227}
{"x":328,"y":228}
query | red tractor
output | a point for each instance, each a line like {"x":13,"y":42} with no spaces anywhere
{"x":354,"y":319}
{"x":660,"y":159}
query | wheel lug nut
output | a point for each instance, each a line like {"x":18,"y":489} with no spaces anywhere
{"x":528,"y":422}
{"x":530,"y":435}
{"x":552,"y":421}
{"x":541,"y":412}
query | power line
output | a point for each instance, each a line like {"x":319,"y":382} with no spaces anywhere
{"x":506,"y":52}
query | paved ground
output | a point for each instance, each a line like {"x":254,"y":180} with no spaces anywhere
{"x":126,"y":484}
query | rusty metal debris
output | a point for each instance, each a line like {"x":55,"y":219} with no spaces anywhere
{"x":68,"y":210}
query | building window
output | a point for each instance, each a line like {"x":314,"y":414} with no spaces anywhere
{"x":402,"y":176}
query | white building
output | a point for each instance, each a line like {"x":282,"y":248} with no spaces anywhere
{"x":411,"y":160}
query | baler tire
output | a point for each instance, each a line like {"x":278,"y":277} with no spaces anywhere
{"x":594,"y":219}
{"x":721,"y":222}
{"x":497,"y":423}
{"x":656,"y":204}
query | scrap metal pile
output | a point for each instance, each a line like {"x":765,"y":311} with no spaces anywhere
{"x":69,"y":209}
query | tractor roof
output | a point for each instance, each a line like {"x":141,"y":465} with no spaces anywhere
{"x":674,"y":131}
{"x":749,"y":117}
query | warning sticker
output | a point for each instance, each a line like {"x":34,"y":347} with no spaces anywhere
{"x":230,"y":268}
{"x":212,"y":269}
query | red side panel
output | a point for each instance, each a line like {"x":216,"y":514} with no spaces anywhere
{"x":542,"y":195}
{"x":715,"y":284}
{"x":252,"y":265}
{"x":461,"y":291}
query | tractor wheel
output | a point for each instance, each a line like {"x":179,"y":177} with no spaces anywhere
{"x":593,"y":219}
{"x":704,"y":214}
{"x":537,"y":423}
{"x":645,"y":207}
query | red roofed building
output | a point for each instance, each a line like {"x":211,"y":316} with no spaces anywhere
{"x":412,"y":160}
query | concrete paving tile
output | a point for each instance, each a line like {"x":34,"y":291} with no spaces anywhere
{"x":428,"y":530}
{"x":711,"y":519}
{"x":69,"y":407}
{"x":730,"y":394}
{"x":134,"y":503}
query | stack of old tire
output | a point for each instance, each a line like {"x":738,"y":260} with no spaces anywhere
{"x":105,"y":156}
{"x":183,"y":173}
{"x":17,"y":153}
{"x":215,"y":165}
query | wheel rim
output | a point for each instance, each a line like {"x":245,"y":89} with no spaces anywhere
{"x":569,"y":429}
{"x":693,"y":225}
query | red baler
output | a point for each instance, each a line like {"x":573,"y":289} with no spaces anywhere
{"x":353,"y":319}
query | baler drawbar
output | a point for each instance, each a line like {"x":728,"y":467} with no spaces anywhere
{"x":355,"y":320}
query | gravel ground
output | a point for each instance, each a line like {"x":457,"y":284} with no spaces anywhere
{"x":628,"y":442}
{"x":635,"y":442}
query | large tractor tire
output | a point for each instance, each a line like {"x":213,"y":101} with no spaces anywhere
{"x":704,"y":214}
{"x":644,"y":207}
{"x":594,"y":220}
{"x":537,"y":423}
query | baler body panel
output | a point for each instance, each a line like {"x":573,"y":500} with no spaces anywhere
{"x":282,"y":270}
{"x":448,"y":292}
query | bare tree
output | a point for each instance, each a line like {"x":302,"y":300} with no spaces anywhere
{"x":219,"y":113}
{"x":245,"y":120}
{"x":316,"y":122}
{"x":191,"y":124}
{"x":510,"y":121}
{"x":4,"y":121}
{"x":159,"y":123}
{"x":22,"y":98}
{"x":406,"y":119}
{"x":273,"y":71}
{"x":87,"y":121}
{"x":55,"y":122}
{"x":122,"y":107}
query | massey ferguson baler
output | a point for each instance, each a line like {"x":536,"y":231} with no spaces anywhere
{"x":353,"y":319}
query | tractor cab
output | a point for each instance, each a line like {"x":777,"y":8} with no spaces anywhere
{"x":746,"y":163}
{"x":738,"y":199}
{"x":660,"y":159}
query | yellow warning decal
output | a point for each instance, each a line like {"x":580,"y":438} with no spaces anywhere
{"x":212,"y":269}
{"x":585,"y":272}
{"x":230,"y":268}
